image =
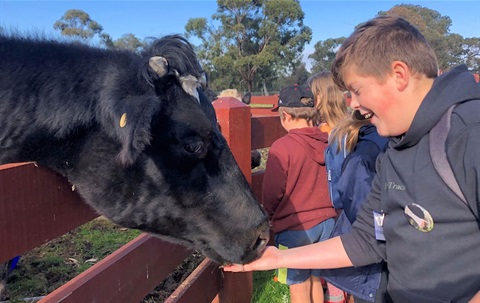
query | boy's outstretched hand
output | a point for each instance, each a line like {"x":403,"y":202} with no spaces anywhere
{"x":267,"y":261}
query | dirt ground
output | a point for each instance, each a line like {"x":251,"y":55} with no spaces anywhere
{"x":168,"y":286}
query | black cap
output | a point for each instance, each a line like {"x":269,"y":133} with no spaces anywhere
{"x":291,"y":96}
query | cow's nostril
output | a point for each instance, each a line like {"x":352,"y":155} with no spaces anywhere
{"x":262,"y":241}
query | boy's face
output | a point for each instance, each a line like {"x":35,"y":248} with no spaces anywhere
{"x":378,"y":101}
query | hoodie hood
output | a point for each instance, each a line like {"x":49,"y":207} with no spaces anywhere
{"x":453,"y":87}
{"x":313,"y":140}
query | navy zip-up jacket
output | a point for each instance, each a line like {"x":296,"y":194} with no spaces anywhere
{"x":353,"y":186}
{"x":441,"y":265}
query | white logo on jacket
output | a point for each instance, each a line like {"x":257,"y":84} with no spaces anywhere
{"x":393,"y":185}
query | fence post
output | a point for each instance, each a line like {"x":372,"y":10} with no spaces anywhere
{"x":234,"y":119}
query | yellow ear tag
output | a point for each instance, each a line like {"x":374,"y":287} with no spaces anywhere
{"x":123,"y":120}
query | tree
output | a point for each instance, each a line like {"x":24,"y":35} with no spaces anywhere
{"x":433,"y":26}
{"x":130,"y":42}
{"x":254,"y":42}
{"x":325,"y":53}
{"x":106,"y":40}
{"x":471,"y":54}
{"x":77,"y":23}
{"x":299,"y":76}
{"x":127,"y":41}
{"x":451,"y":49}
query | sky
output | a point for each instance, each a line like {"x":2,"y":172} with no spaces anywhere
{"x":156,"y":18}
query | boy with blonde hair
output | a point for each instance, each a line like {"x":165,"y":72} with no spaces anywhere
{"x":428,"y":235}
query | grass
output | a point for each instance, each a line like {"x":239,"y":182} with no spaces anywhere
{"x":47,"y":267}
{"x":266,"y":290}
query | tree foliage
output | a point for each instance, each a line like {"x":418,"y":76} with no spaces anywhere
{"x":129,"y":41}
{"x":433,"y":26}
{"x":471,"y":53}
{"x":250,"y":43}
{"x":451,"y":49}
{"x":257,"y":45}
{"x":299,"y":76}
{"x":324,"y":53}
{"x":77,"y":23}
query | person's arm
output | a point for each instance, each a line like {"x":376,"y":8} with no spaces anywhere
{"x":466,"y":168}
{"x":475,"y":299}
{"x":463,"y":148}
{"x":330,"y":253}
{"x":325,"y":254}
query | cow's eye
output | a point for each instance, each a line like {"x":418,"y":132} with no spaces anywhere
{"x":195,"y":148}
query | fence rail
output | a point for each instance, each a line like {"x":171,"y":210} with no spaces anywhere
{"x":38,"y":205}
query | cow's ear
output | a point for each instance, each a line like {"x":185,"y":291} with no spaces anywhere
{"x":133,"y":126}
{"x":159,"y":65}
{"x":155,"y":68}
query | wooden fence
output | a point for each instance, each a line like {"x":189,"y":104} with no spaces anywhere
{"x":38,"y":205}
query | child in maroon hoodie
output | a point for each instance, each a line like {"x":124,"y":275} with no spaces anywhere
{"x":295,"y":193}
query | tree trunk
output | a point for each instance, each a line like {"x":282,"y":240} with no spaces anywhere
{"x":250,"y":85}
{"x":265,"y":90}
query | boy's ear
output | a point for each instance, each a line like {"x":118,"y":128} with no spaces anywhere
{"x":401,"y":74}
{"x":286,"y":116}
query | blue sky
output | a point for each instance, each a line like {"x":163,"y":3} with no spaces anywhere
{"x":327,"y":19}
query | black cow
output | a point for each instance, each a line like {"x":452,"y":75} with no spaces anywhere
{"x":135,"y":135}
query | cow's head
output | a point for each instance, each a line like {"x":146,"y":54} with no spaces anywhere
{"x":169,"y":170}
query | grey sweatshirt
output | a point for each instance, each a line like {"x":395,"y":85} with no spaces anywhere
{"x":442,"y":265}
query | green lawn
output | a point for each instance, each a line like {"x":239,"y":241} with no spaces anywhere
{"x":266,"y":290}
{"x":47,"y":267}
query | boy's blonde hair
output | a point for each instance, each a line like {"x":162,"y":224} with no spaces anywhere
{"x":329,"y":98}
{"x":307,"y":113}
{"x":375,"y":44}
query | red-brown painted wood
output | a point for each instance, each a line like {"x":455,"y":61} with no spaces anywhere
{"x":125,"y":276}
{"x":233,"y":117}
{"x":201,"y":286}
{"x":36,"y":205}
{"x":264,"y":100}
{"x":257,"y":180}
{"x":265,"y":130}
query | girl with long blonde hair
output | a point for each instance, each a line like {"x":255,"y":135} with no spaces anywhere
{"x":358,"y":144}
{"x":329,"y":100}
